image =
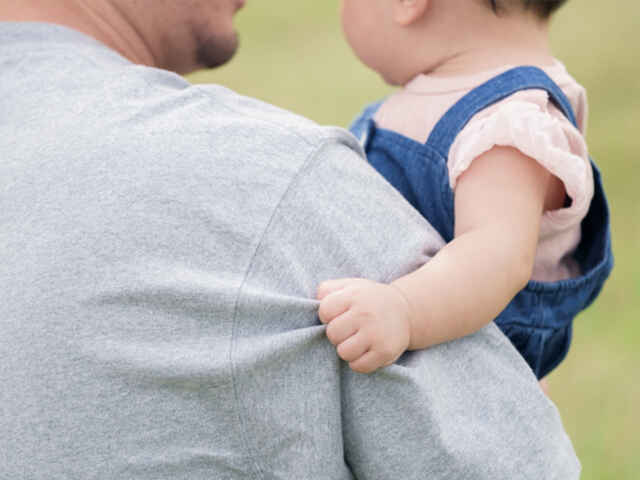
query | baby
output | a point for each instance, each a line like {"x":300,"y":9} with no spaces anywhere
{"x":485,"y":140}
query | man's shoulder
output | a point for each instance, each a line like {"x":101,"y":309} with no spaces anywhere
{"x":154,"y":124}
{"x":215,"y":120}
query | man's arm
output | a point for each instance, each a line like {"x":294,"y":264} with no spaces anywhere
{"x":466,"y":409}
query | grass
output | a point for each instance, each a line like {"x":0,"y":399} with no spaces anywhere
{"x":293,"y":55}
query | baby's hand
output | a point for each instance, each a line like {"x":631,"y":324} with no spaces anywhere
{"x":367,"y":321}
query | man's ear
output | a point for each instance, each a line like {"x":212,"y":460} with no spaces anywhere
{"x":407,"y":12}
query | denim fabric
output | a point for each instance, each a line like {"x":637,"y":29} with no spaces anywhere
{"x":538,"y":321}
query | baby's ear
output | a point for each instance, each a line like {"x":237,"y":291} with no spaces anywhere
{"x":407,"y":12}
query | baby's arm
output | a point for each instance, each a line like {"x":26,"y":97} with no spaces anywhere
{"x":499,"y":203}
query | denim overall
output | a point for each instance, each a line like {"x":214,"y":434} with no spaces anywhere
{"x":538,"y":321}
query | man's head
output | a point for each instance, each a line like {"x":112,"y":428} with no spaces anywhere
{"x":178,"y":35}
{"x":186,"y":34}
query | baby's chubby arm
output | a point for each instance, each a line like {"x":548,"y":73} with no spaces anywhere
{"x":499,"y":203}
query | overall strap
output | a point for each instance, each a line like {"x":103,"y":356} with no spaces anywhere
{"x":494,"y":90}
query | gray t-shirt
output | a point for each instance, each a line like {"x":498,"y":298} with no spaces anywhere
{"x":160,"y":247}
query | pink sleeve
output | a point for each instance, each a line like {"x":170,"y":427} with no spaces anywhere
{"x":529,"y":122}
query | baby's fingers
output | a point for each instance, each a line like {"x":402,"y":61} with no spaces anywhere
{"x":334,"y":305}
{"x":330,"y":286}
{"x":368,"y":363}
{"x":341,"y":328}
{"x":353,"y":347}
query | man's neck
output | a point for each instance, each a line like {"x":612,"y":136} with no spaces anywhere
{"x":103,"y":21}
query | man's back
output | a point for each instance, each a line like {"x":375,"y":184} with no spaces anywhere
{"x":160,"y":243}
{"x":132,"y":208}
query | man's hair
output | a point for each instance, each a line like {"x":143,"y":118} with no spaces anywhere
{"x":543,"y":8}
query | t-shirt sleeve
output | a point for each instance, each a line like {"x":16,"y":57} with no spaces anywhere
{"x":342,"y":218}
{"x":470,"y":408}
{"x":529,"y":122}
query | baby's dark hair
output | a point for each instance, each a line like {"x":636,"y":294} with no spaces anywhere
{"x":543,"y":8}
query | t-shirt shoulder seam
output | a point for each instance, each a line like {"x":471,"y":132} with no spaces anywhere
{"x":299,"y":173}
{"x":301,"y":170}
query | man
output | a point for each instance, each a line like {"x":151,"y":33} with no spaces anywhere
{"x":160,"y":244}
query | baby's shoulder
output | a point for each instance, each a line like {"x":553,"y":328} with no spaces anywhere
{"x":532,"y":123}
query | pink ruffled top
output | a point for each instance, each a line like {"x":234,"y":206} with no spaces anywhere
{"x":527,"y":121}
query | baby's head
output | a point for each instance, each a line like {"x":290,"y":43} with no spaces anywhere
{"x":402,"y":38}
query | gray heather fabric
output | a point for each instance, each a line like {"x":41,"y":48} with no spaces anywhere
{"x":159,"y":246}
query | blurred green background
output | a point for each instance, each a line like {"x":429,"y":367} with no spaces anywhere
{"x":293,"y":55}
